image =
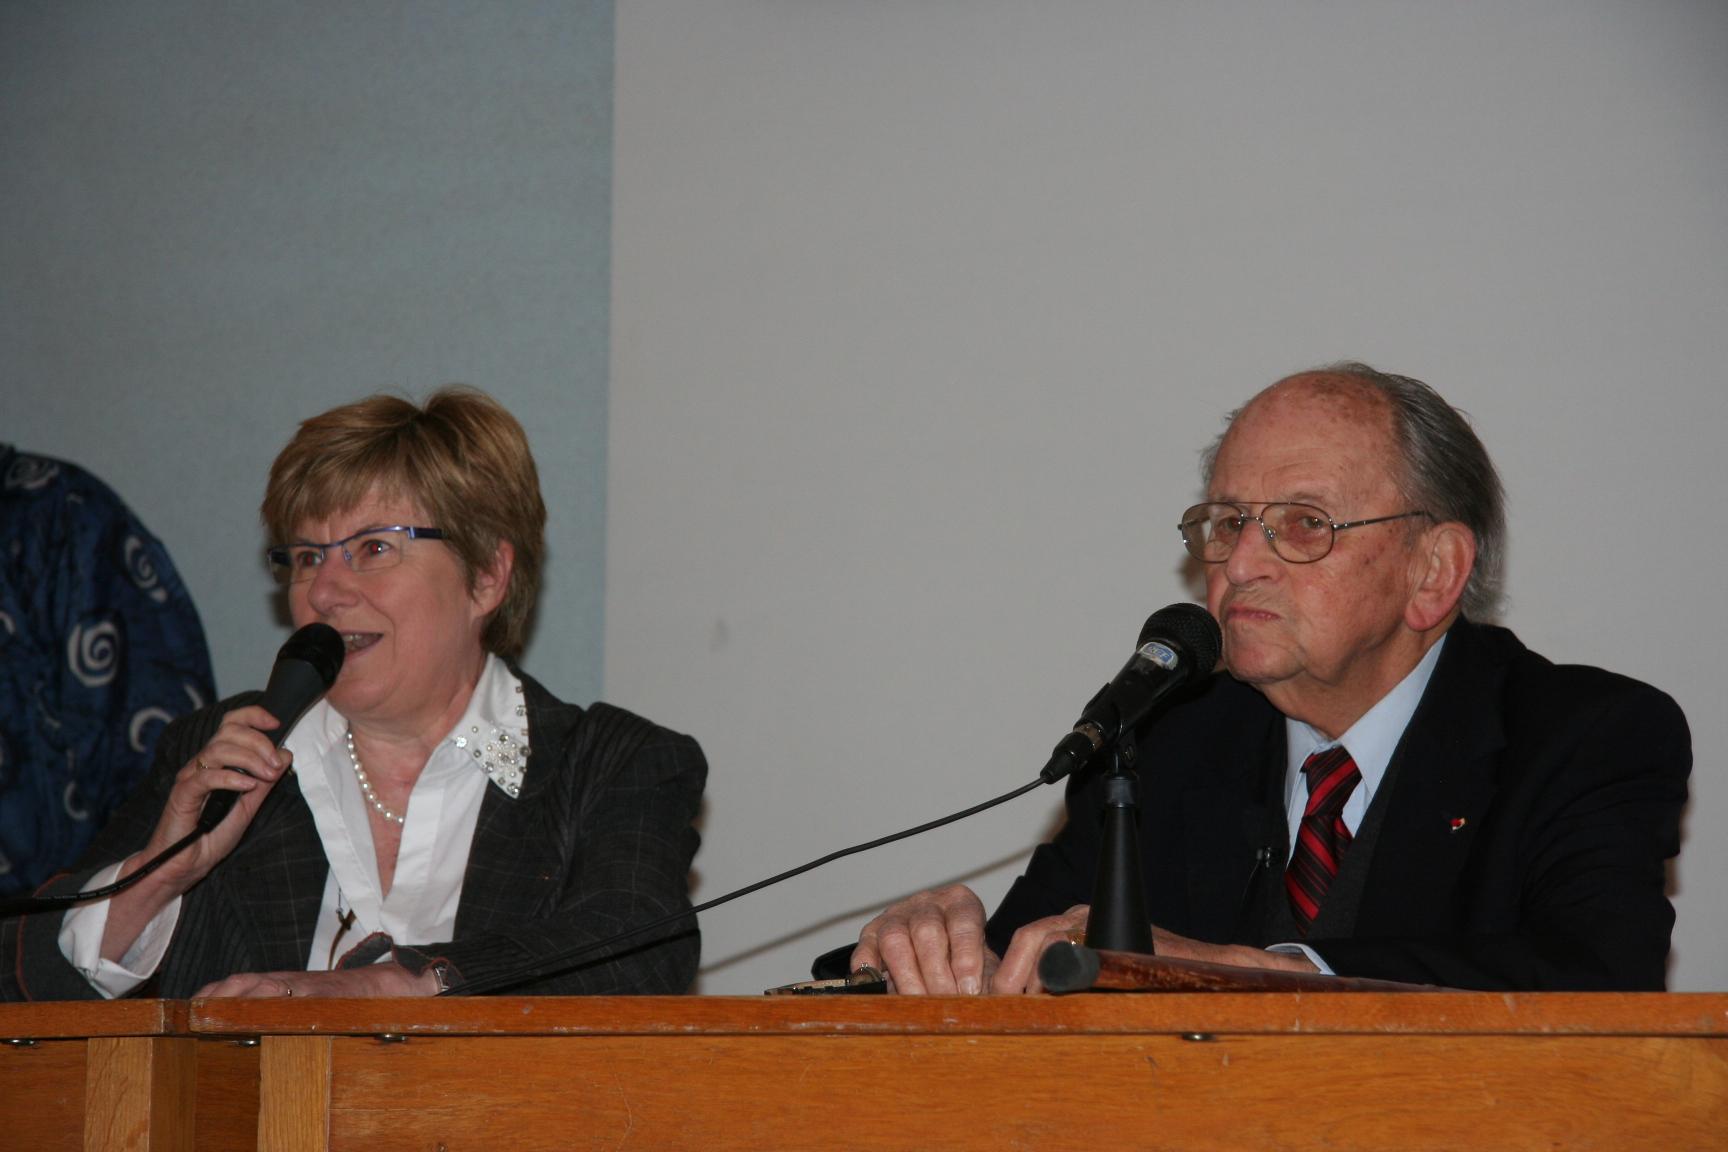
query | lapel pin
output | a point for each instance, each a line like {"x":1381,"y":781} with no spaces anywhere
{"x":1458,"y":822}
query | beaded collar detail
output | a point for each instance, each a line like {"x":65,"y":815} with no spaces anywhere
{"x":503,"y":754}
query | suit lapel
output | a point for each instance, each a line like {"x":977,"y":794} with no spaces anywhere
{"x":1231,"y":829}
{"x":1444,"y":779}
{"x":1263,"y":903}
{"x":278,"y":877}
{"x":515,"y":859}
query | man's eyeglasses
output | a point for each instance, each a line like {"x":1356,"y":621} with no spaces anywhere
{"x":366,"y":551}
{"x":1299,"y":533}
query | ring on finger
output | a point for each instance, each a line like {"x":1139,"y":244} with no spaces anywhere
{"x":1075,"y":936}
{"x":287,"y":988}
{"x":202,"y":767}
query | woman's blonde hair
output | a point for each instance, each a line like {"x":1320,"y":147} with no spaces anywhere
{"x":461,"y":456}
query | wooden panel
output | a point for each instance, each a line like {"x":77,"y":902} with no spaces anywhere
{"x":138,"y":1094}
{"x":294,"y":1094}
{"x":1439,"y":1013}
{"x":173,"y":1115}
{"x":1049,"y":1092}
{"x":227,"y":1098}
{"x":81,"y":1018}
{"x":42,"y":1095}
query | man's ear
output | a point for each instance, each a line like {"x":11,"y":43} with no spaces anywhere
{"x":1441,"y":567}
{"x":493,"y":581}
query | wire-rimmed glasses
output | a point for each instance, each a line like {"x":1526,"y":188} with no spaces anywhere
{"x":1299,"y":533}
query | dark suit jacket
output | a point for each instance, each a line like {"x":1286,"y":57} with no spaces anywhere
{"x":1569,"y":782}
{"x":600,"y":840}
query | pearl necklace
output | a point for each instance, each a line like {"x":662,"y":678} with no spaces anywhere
{"x":366,"y":785}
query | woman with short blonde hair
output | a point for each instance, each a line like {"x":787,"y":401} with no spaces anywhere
{"x":439,"y":818}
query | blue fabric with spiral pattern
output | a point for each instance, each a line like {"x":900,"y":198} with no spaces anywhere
{"x":100,"y":646}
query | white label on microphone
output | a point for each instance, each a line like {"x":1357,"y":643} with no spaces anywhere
{"x":1160,"y":654}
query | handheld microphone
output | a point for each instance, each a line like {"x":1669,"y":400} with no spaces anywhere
{"x":305,"y":668}
{"x":1177,"y":644}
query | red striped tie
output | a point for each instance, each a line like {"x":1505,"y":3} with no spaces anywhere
{"x":1322,"y":838}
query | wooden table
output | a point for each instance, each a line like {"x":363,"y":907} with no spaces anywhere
{"x":1096,"y":1071}
{"x":124,"y":1075}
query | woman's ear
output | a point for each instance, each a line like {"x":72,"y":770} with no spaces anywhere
{"x":493,"y":581}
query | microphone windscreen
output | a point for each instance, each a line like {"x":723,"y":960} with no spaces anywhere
{"x":318,"y":645}
{"x":1190,"y":626}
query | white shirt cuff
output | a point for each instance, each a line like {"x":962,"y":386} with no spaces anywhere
{"x":81,"y":941}
{"x":1313,"y":956}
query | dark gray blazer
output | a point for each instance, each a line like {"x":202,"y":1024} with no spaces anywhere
{"x":600,"y":840}
{"x":1523,"y":845}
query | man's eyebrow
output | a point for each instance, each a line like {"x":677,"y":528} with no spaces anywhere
{"x":1299,"y":497}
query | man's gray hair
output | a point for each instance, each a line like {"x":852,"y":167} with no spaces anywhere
{"x":1447,"y":472}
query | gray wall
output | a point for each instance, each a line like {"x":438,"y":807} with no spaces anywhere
{"x":922,"y":310}
{"x":217,"y":219}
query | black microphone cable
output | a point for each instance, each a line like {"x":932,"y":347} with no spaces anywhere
{"x":34,"y":905}
{"x":1177,"y":644}
{"x":575,"y":957}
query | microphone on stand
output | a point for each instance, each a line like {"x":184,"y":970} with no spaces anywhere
{"x":1176,"y":645}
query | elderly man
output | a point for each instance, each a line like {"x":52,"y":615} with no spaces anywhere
{"x":1380,"y":787}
